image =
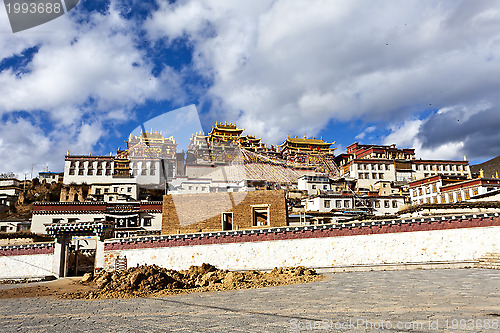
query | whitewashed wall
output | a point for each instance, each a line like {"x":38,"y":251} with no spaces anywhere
{"x":406,"y":247}
{"x":39,"y":220}
{"x":26,"y":266}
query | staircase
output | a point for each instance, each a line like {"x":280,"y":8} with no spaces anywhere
{"x":489,"y":260}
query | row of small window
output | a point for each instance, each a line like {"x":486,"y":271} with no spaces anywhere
{"x":90,"y":172}
{"x":107,"y":172}
{"x":314,"y":187}
{"x":428,"y":190}
{"x":144,"y":172}
{"x":373,"y":175}
{"x":433,"y":189}
{"x":363,"y":166}
{"x":390,"y":156}
{"x":338,"y":203}
{"x":448,"y":198}
{"x":142,"y":166}
{"x":146,"y":221}
{"x":347,"y":203}
{"x":115,"y":190}
{"x":197,"y":188}
{"x":440,"y":167}
{"x":421,"y":167}
{"x":434,"y":173}
{"x":98,"y":164}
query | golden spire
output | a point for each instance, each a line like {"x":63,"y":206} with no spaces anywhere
{"x":481,"y":173}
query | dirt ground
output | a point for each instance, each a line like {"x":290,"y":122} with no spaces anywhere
{"x":55,"y":289}
{"x":154,"y":281}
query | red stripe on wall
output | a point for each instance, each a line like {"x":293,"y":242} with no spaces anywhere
{"x":26,"y":251}
{"x":318,"y":233}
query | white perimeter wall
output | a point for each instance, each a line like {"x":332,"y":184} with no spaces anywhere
{"x":26,"y":266}
{"x":405,"y":247}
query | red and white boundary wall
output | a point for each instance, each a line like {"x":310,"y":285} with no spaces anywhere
{"x":450,"y":240}
{"x":27,"y":261}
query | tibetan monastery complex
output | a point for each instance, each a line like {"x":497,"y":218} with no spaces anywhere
{"x":233,"y":185}
{"x":302,"y":176}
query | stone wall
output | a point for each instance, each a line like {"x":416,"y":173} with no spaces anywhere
{"x":74,"y":193}
{"x":202,"y":211}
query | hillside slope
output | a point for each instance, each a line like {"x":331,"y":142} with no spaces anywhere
{"x":490,"y":167}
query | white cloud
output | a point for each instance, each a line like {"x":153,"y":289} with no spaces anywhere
{"x":24,"y":144}
{"x":366,"y":131}
{"x":275,"y":67}
{"x":406,"y":135}
{"x":290,"y":66}
{"x":83,"y":75}
{"x":97,"y":61}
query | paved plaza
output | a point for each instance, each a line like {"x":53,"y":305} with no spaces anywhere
{"x":452,"y":300}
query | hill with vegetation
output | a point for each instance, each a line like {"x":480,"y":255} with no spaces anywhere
{"x":490,"y":168}
{"x":33,"y":192}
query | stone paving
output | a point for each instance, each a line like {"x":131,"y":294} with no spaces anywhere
{"x":452,"y":300}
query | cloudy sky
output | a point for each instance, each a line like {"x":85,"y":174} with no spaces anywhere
{"x":422,"y":74}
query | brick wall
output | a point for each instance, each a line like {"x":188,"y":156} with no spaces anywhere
{"x":202,"y":211}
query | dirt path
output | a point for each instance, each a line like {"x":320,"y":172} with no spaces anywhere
{"x":53,"y":289}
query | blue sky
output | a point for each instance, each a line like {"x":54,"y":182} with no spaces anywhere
{"x":421,"y":74}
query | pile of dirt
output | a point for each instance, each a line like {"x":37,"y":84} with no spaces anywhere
{"x":146,"y":281}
